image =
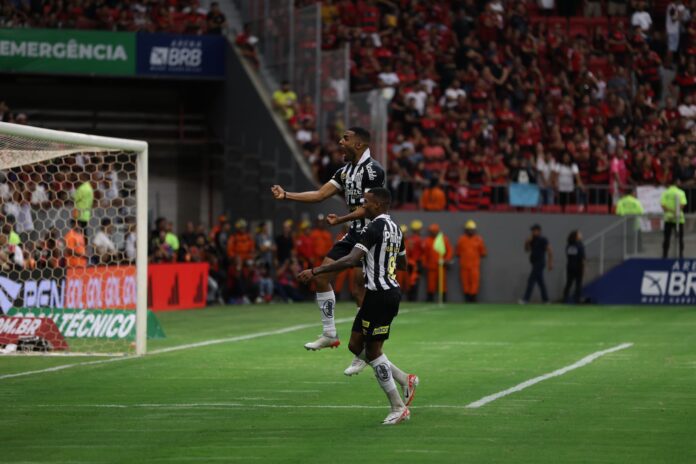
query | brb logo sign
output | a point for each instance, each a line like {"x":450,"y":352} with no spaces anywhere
{"x":675,"y":286}
{"x":180,"y":55}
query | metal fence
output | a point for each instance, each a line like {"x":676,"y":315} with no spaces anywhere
{"x":369,"y":110}
{"x":290,"y":48}
{"x":335,"y":92}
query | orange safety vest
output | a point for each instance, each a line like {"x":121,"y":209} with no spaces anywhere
{"x":75,"y":241}
{"x":431,"y":257}
{"x":241,"y":245}
{"x":322,"y":242}
{"x":470,"y":250}
{"x":433,"y":199}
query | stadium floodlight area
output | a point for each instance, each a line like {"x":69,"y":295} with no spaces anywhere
{"x":72,"y":209}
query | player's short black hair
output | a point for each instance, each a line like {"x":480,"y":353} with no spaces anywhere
{"x":383,"y":195}
{"x":362,"y":134}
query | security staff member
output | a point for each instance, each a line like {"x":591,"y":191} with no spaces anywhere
{"x":575,"y":266}
{"x":673,"y":201}
{"x":629,"y":205}
{"x":470,"y":250}
{"x":538,"y":248}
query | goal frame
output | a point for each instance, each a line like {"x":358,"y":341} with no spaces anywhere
{"x":141,"y":149}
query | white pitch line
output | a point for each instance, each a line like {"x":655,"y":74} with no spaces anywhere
{"x":583,"y":362}
{"x":195,"y":406}
{"x":189,"y":346}
{"x":61,"y":367}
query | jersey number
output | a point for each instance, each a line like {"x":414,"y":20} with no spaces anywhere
{"x":391,"y":266}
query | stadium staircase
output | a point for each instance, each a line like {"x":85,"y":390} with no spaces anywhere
{"x":609,"y":251}
{"x":260,"y":151}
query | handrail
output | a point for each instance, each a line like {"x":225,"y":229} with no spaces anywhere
{"x":608,"y":229}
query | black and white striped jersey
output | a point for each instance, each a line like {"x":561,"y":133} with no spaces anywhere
{"x":383,"y":242}
{"x":355,"y":180}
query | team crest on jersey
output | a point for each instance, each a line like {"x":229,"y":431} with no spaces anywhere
{"x":343,"y":176}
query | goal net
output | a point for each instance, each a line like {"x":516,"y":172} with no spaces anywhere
{"x":73,"y":243}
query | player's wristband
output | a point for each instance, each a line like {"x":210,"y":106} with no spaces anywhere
{"x":285,"y":195}
{"x":312,"y":270}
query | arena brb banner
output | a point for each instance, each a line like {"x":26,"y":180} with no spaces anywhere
{"x":68,"y":51}
{"x":183,"y":56}
{"x":170,"y":287}
{"x":647,"y":282}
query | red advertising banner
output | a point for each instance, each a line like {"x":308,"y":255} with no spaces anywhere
{"x":13,"y":328}
{"x":177,"y":286}
{"x":169,"y":287}
{"x":100,"y":287}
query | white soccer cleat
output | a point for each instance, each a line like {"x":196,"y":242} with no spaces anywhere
{"x":410,"y":389}
{"x":355,"y":367}
{"x":322,"y":342}
{"x":397,"y":416}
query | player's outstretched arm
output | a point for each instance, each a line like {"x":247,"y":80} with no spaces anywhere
{"x":315,"y":196}
{"x":334,"y":220}
{"x":347,"y":262}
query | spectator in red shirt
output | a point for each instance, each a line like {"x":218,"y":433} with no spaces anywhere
{"x":498,"y":178}
{"x":599,"y":178}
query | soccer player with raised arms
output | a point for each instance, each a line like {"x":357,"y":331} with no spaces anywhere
{"x":380,"y":247}
{"x":360,"y":174}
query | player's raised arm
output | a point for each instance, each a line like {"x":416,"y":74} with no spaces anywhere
{"x":358,"y":213}
{"x":315,"y":196}
{"x":347,"y":262}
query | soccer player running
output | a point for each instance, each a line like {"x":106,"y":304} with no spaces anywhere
{"x":360,"y":174}
{"x":380,"y":247}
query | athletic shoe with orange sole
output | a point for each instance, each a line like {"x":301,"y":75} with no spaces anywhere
{"x":410,"y":389}
{"x":355,"y":367}
{"x":397,"y":416}
{"x":322,"y":342}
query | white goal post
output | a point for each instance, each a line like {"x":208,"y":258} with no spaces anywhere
{"x":22,"y":147}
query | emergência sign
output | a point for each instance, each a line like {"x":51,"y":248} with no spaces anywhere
{"x":71,"y":50}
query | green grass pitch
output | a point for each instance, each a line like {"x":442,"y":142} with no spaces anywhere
{"x":266,"y":399}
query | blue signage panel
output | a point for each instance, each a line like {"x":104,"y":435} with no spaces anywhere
{"x":646,"y":281}
{"x":524,"y":194}
{"x":181,"y":55}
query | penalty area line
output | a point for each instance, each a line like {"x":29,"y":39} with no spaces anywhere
{"x":558,"y":372}
{"x":188,"y":346}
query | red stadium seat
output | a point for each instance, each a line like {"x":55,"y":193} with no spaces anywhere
{"x":409,"y":207}
{"x":597,"y":209}
{"x":551,"y":208}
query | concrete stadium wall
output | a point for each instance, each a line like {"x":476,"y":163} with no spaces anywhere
{"x":504,"y":272}
{"x":260,"y":153}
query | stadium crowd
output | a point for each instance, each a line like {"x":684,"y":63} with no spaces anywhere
{"x":69,"y":212}
{"x":248,"y":264}
{"x":176,"y":16}
{"x":487,"y":93}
